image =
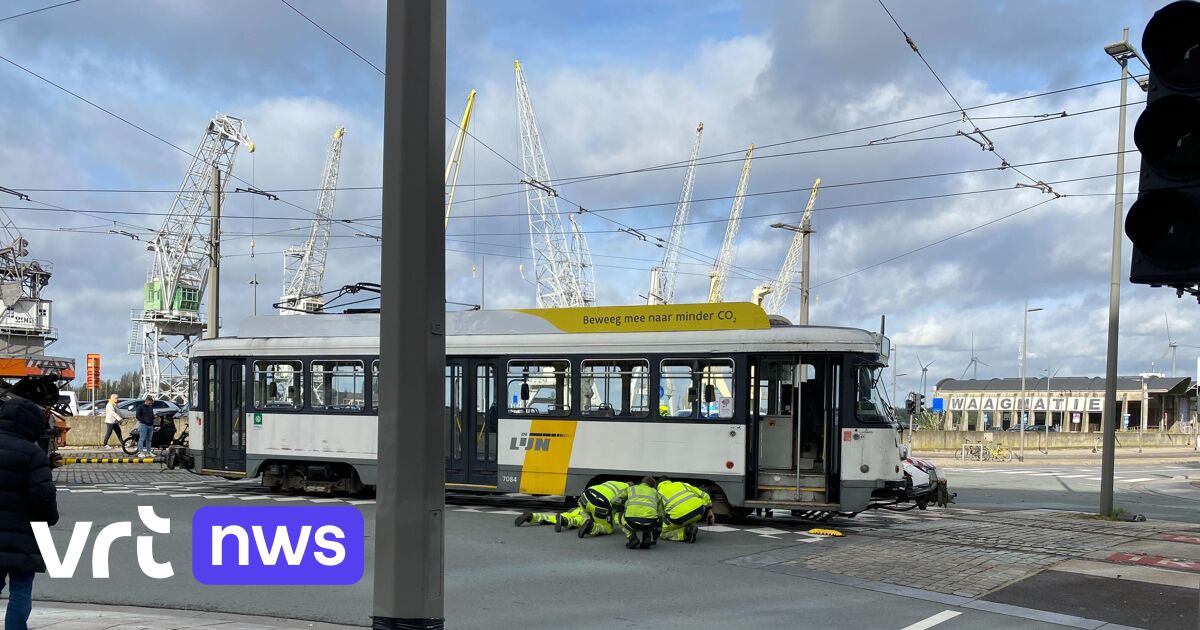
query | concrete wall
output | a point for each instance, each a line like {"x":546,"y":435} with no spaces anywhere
{"x":89,"y":430}
{"x":953,"y":440}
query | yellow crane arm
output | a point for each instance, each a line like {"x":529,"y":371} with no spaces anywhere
{"x":454,"y":163}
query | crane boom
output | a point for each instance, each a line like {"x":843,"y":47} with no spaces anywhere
{"x":169,"y":322}
{"x":556,"y":270}
{"x":720,"y":269}
{"x":454,"y":163}
{"x":783,"y":282}
{"x":582,"y":255}
{"x":662,"y":277}
{"x":304,"y":265}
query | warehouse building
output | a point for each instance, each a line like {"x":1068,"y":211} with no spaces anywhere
{"x":1074,"y":404}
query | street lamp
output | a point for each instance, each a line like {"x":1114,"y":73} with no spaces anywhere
{"x":1024,"y":357}
{"x":805,"y":230}
{"x":1121,"y":52}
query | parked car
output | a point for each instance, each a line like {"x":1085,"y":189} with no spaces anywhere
{"x":67,"y":401}
{"x":1033,"y":427}
{"x":128,"y":408}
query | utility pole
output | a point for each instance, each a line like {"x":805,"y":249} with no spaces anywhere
{"x":806,"y":231}
{"x":254,"y":295}
{"x":1145,"y":413}
{"x":1022,"y":406}
{"x":409,"y":522}
{"x":1109,"y":419}
{"x":214,"y":261}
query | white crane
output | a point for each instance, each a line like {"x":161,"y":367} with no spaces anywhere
{"x":25,"y":328}
{"x":662,"y":277}
{"x":304,"y":265}
{"x":582,"y":255}
{"x":169,"y":323}
{"x":720,"y":269}
{"x":454,"y":162}
{"x":558,"y":275}
{"x":779,"y":289}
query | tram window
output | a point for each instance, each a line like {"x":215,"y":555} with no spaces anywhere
{"x":194,"y":386}
{"x":277,"y":385}
{"x":337,"y":385}
{"x":615,"y":388}
{"x":868,"y":404}
{"x":454,"y":411}
{"x":375,"y":385}
{"x":696,"y":388}
{"x":546,"y":384}
{"x":214,"y":389}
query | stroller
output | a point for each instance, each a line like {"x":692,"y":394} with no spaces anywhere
{"x":163,"y":436}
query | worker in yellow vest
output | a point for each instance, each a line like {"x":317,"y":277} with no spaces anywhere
{"x":684,"y":506}
{"x":641,"y":515}
{"x":596,"y":506}
{"x":600,"y":502}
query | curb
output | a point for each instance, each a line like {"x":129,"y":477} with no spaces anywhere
{"x":109,"y":460}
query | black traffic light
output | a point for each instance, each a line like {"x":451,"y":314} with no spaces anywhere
{"x":1164,"y":222}
{"x":910,"y":404}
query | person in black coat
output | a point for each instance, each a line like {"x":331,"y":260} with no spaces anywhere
{"x":145,"y":418}
{"x":27,"y":494}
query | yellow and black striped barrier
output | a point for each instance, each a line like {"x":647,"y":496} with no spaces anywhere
{"x":109,"y":460}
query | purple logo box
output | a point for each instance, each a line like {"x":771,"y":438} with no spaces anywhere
{"x":278,"y":545}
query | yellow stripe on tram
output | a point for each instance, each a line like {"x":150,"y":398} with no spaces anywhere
{"x":545,"y":469}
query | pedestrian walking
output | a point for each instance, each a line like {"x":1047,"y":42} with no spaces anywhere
{"x":112,"y":421}
{"x":684,"y":506}
{"x":27,"y":494}
{"x":145,"y":418}
{"x":642,"y":514}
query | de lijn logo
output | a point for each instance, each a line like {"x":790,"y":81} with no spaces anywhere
{"x":278,"y":545}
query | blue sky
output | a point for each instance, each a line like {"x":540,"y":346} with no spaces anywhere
{"x":616,"y":85}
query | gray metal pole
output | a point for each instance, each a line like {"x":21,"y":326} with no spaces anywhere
{"x":1024,"y":357}
{"x":409,"y":529}
{"x":1107,"y":455}
{"x":213,"y":330}
{"x":806,"y":230}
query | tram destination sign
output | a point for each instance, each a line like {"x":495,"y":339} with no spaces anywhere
{"x":659,"y":318}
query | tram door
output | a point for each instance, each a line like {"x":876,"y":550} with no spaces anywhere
{"x":225,"y":415}
{"x":788,"y":398}
{"x":470,"y":422}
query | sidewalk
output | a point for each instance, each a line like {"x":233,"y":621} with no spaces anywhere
{"x":1075,"y":457}
{"x":62,"y":616}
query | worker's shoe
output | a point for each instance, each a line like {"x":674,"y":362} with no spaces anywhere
{"x":654,"y":535}
{"x":560,"y":522}
{"x":524,"y":518}
{"x":647,"y":540}
{"x":689,"y":535}
{"x":632,"y":543}
{"x":586,"y":528}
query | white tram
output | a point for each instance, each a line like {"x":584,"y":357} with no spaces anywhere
{"x":548,"y":402}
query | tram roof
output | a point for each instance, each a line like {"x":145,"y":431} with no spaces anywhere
{"x":537,"y":332}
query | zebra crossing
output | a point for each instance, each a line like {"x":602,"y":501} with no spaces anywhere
{"x":202,"y":488}
{"x":1136,"y":475}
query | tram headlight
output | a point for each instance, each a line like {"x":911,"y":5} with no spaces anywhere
{"x":864,"y":468}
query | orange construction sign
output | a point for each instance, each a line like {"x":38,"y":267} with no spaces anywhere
{"x":93,"y":371}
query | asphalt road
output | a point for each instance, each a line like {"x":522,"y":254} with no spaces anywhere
{"x":501,"y":576}
{"x":1138,"y":489}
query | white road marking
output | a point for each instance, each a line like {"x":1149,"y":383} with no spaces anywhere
{"x":325,"y":500}
{"x":363,"y":502}
{"x":511,"y":512}
{"x":1074,"y":476}
{"x":945,"y":615}
{"x":283,"y":499}
{"x":1044,"y":474}
{"x":254,"y":498}
{"x":218,"y":496}
{"x":1141,"y":479}
{"x":719,"y":528}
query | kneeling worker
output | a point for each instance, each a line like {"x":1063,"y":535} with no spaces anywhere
{"x":685,"y":505}
{"x":593,"y":516}
{"x":642,"y":514}
{"x":599,"y":503}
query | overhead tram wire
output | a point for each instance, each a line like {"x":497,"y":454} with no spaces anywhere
{"x":990,"y":146}
{"x":935,"y":243}
{"x":53,"y":6}
{"x":564,"y":181}
{"x":334,"y":37}
{"x":603,"y":209}
{"x":579,"y":179}
{"x":133,"y":124}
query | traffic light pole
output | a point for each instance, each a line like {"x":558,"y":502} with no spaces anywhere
{"x":1108,"y":454}
{"x":409,"y":530}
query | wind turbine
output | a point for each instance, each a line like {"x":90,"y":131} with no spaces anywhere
{"x":1172,"y":345}
{"x":974,"y":364}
